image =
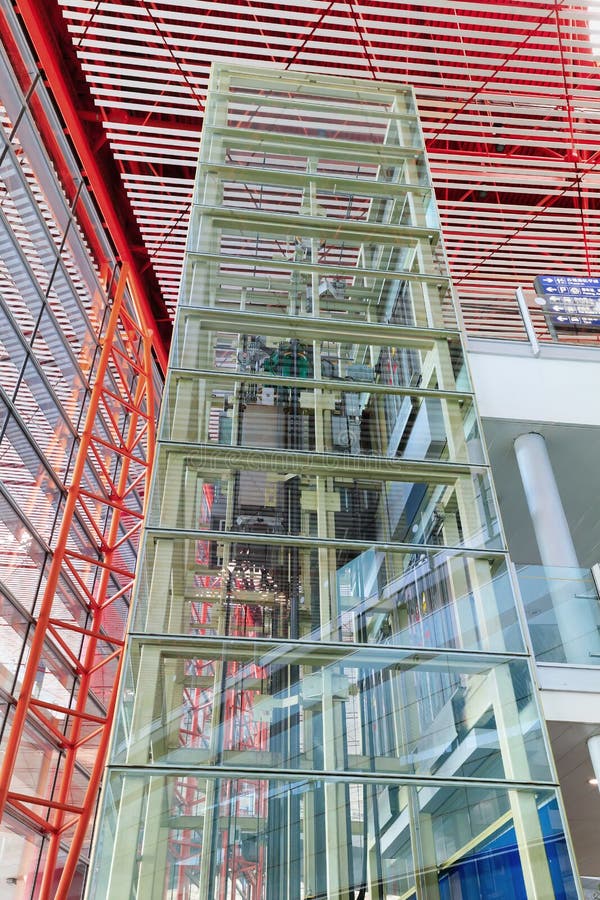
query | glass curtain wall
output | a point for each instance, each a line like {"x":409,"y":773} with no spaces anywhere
{"x":327,"y":693}
{"x":53,"y":313}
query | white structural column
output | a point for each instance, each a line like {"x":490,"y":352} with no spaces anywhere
{"x":572,"y":611}
{"x":543,"y":500}
{"x":593,"y":745}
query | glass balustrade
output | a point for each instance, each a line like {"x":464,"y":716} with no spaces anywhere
{"x":563,"y":613}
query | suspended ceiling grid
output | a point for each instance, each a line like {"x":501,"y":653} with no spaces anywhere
{"x":508,"y":95}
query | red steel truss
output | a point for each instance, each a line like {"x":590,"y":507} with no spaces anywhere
{"x":118,"y":441}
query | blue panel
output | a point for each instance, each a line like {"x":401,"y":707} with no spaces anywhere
{"x":494,"y":871}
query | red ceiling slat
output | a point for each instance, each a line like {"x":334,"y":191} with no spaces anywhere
{"x":508,"y":95}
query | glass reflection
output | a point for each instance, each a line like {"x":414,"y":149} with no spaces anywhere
{"x":342,"y":502}
{"x":370,"y":421}
{"x":339,"y":293}
{"x":300,"y":351}
{"x":325,"y":708}
{"x":207,"y":838}
{"x":563,"y":613}
{"x":359,"y":595}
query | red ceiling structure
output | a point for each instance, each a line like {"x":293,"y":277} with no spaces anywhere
{"x":510,"y":103}
{"x":508,"y":94}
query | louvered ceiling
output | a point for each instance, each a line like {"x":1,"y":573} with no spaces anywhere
{"x":508,"y":94}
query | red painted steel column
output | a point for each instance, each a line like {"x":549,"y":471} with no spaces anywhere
{"x":76,"y":843}
{"x":41,"y":627}
{"x":140,"y":409}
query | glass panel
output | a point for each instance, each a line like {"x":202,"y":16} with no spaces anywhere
{"x":338,"y":197}
{"x":309,"y":116}
{"x":12,"y":351}
{"x":45,"y":421}
{"x":208,"y":838}
{"x":55,"y":681}
{"x":315,"y":110}
{"x":257,"y":588}
{"x":13,"y":625}
{"x":32,"y":487}
{"x":36,"y":766}
{"x":386,"y":248}
{"x":308,"y":351}
{"x":431,"y":508}
{"x":385,"y":163}
{"x":493,"y":866}
{"x":289,"y":288}
{"x":281,"y":415}
{"x":58,"y":364}
{"x":563,"y":613}
{"x":51,"y":200}
{"x":21,"y":847}
{"x":322,"y":708}
{"x":22,"y":557}
{"x":277,"y":83}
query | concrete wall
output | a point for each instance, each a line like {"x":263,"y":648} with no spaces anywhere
{"x":562,"y":384}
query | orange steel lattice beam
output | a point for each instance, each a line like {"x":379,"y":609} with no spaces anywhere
{"x":121,"y":455}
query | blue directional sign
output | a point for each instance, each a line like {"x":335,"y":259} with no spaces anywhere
{"x":570,"y":299}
